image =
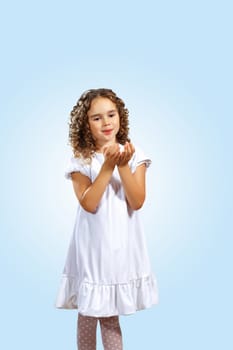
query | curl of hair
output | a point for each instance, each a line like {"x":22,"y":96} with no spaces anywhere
{"x":80,"y":137}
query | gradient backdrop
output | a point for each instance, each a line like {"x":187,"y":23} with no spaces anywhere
{"x":171,"y":61}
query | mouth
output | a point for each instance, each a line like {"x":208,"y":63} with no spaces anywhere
{"x":107,"y":132}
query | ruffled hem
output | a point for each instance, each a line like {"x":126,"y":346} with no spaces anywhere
{"x":103,"y":300}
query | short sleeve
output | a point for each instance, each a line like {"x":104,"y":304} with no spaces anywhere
{"x":77,"y":165}
{"x":139,"y":158}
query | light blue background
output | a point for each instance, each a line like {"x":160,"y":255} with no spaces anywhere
{"x":171,"y":61}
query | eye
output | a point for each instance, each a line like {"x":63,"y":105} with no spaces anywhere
{"x":111,"y":115}
{"x":96,"y":118}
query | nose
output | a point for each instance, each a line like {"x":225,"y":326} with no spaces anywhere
{"x":105,"y":120}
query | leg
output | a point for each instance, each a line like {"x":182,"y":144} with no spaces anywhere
{"x":111,"y":333}
{"x":86,"y":337}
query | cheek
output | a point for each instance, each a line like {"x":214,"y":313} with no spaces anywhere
{"x":93,"y":132}
{"x":92,"y":128}
{"x":118,"y":123}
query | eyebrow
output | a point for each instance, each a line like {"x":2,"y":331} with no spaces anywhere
{"x":99,"y":114}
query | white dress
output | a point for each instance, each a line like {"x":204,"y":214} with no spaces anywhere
{"x":107,"y":270}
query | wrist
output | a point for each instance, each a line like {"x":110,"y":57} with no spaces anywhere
{"x":108,"y":167}
{"x":123,"y":166}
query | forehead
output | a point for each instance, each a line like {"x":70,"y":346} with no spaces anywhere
{"x":100,"y":105}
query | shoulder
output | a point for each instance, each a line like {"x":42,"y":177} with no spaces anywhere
{"x":139,"y":157}
{"x":77,"y":165}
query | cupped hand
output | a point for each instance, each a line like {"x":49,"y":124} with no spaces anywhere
{"x":126,"y":154}
{"x":111,"y":155}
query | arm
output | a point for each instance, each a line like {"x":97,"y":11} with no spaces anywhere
{"x":90,"y":193}
{"x":134,"y":184}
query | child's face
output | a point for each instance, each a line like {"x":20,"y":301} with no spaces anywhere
{"x":104,"y":121}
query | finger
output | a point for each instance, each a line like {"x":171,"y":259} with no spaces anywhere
{"x":124,"y":158}
{"x":126,"y":150}
{"x":126,"y":146}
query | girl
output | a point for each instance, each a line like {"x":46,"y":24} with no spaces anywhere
{"x":107,"y":271}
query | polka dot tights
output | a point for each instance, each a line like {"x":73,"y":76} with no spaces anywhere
{"x":110,"y":332}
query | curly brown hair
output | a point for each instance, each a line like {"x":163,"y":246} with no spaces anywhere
{"x":80,"y":137}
